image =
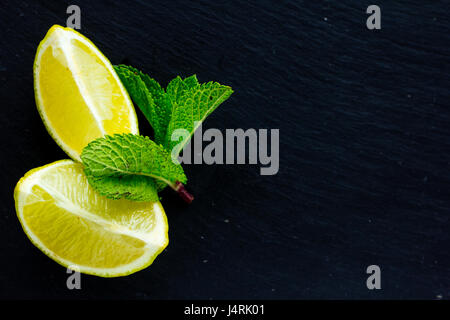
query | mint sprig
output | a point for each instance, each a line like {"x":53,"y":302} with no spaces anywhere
{"x":136,"y":168}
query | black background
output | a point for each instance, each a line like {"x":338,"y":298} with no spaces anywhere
{"x":364,"y":125}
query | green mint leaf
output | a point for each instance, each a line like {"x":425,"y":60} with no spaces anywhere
{"x":130,"y":166}
{"x":136,"y":188}
{"x":184,"y":102}
{"x":178,"y":87}
{"x":191,"y":103}
{"x":148,"y":95}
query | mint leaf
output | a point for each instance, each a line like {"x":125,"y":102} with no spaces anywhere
{"x":192,"y":103}
{"x":178,"y":87}
{"x":183,"y":103}
{"x":130,"y":166}
{"x":148,"y":95}
{"x":136,"y":188}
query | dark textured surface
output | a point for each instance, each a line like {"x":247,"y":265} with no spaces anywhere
{"x":364,"y":145}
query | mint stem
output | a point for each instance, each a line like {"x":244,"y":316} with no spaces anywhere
{"x":183,"y":193}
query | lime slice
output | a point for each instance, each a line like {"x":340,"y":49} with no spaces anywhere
{"x":75,"y":226}
{"x":78,"y":94}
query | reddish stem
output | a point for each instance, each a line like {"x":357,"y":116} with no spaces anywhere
{"x":183,"y":193}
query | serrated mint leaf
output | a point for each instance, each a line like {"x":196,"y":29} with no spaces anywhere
{"x":136,"y":188}
{"x":130,"y":166}
{"x":183,"y":105}
{"x":150,"y":98}
{"x":177,"y":88}
{"x":190,"y":106}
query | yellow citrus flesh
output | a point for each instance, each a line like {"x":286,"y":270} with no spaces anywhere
{"x":78,"y":228}
{"x":78,"y":94}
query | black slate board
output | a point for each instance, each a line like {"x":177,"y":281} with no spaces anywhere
{"x":364,"y":125}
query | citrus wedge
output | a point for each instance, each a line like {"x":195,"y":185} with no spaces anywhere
{"x":78,"y":94}
{"x":75,"y":226}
